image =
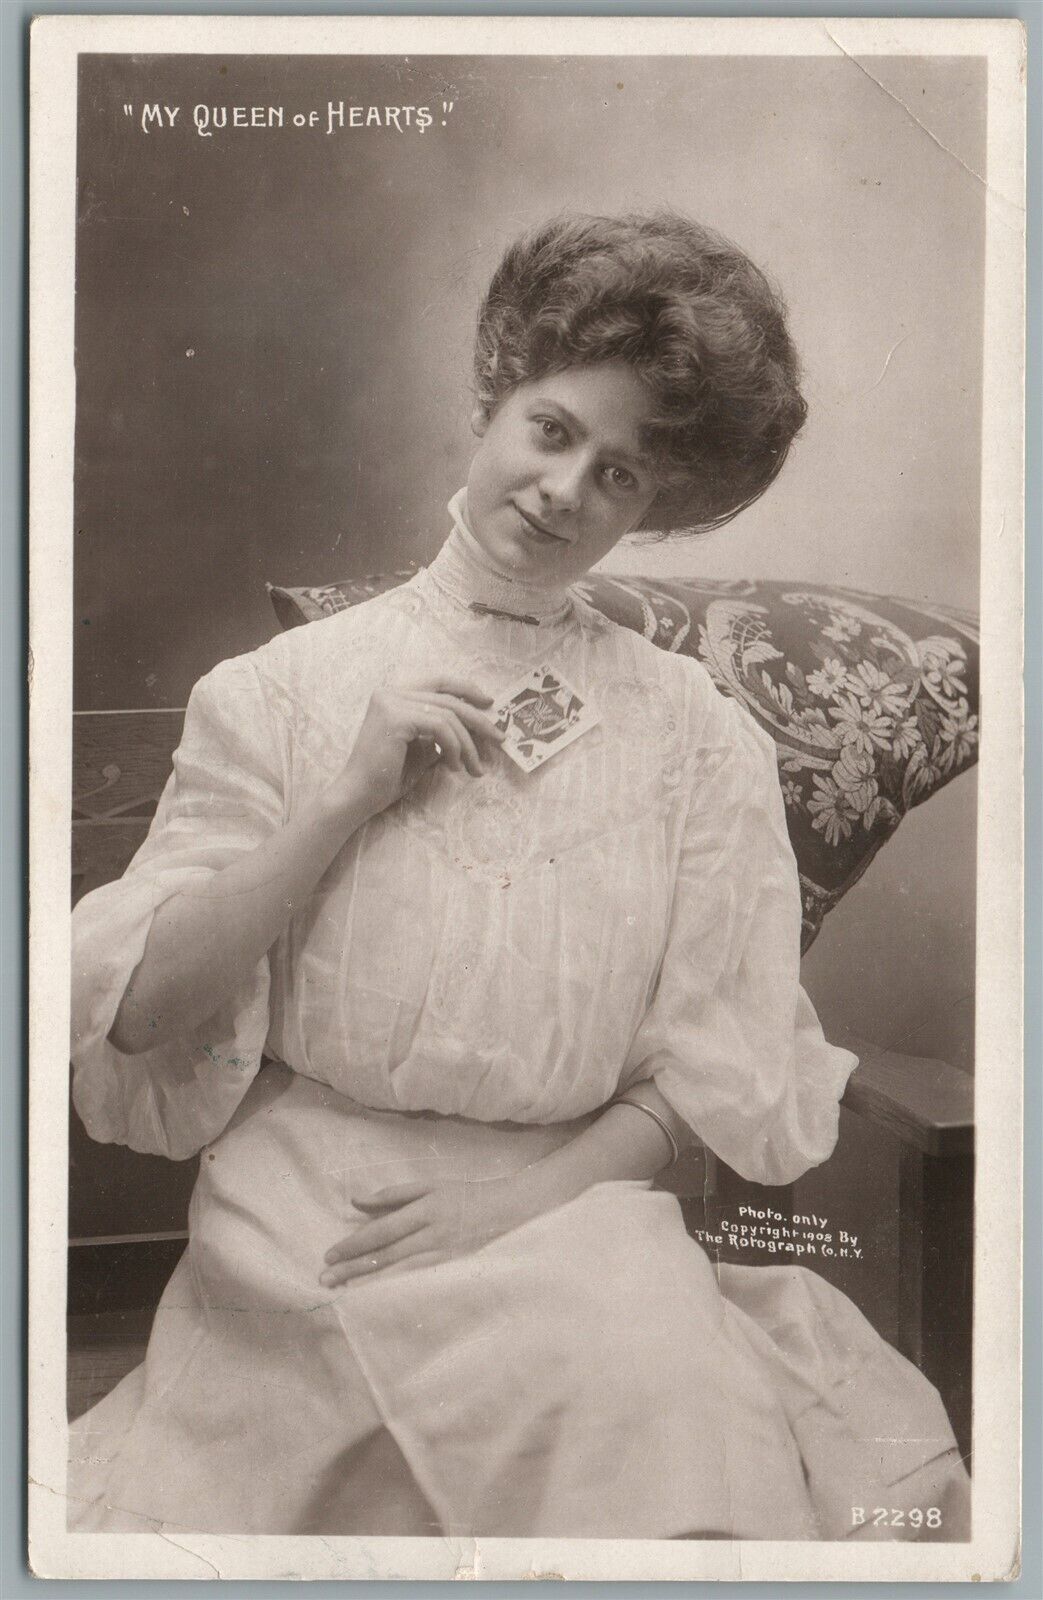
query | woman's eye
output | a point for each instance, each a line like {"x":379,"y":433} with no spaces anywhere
{"x":550,"y":430}
{"x":620,"y":478}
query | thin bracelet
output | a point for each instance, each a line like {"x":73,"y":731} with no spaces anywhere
{"x":639,"y":1105}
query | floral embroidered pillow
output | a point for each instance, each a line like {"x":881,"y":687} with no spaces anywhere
{"x":872,"y":702}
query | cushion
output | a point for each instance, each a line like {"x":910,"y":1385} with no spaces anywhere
{"x":871,"y":701}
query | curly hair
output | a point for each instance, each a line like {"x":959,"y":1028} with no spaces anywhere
{"x":685,"y":308}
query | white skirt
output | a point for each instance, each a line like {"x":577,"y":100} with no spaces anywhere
{"x":589,"y":1374}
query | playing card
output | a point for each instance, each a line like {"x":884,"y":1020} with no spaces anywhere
{"x":541,"y":715}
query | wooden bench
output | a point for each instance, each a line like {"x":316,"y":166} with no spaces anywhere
{"x":128,"y":1212}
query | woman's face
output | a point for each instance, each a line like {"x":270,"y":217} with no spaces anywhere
{"x":559,"y":476}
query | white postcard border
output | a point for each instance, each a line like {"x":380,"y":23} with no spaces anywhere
{"x":993,"y":1551}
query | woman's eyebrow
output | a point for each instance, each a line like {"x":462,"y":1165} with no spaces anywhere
{"x":621,"y":452}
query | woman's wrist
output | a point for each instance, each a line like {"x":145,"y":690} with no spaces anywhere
{"x":432,"y":1221}
{"x":622,"y":1145}
{"x":542,"y":1187}
{"x":646,"y":1099}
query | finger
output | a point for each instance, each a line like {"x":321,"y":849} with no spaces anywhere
{"x":377,"y":1232}
{"x":463,"y":688}
{"x":396,"y":1194}
{"x":481,"y":725}
{"x":464,"y":717}
{"x":416,"y":1245}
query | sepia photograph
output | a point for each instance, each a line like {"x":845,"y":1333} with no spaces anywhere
{"x":525,"y":519}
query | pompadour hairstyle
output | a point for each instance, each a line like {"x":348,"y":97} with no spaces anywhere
{"x":690,"y":313}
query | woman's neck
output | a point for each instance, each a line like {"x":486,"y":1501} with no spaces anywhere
{"x":464,"y":572}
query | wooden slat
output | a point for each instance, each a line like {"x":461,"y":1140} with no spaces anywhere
{"x":925,"y":1103}
{"x":121,"y":762}
{"x":121,"y":759}
{"x":120,"y":1277}
{"x":936,"y":1277}
{"x":102,"y":849}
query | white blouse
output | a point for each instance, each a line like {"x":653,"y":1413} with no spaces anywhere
{"x":512,"y":947}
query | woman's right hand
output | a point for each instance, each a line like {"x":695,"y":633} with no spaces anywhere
{"x":201,"y":946}
{"x":406,"y":731}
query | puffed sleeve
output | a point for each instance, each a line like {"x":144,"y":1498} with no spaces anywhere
{"x":730,"y":1038}
{"x":224,"y":796}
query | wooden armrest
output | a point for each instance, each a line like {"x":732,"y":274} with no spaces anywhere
{"x":925,"y":1103}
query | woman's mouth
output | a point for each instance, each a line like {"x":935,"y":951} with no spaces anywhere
{"x":545,"y":535}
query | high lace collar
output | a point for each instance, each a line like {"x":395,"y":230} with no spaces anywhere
{"x":464,"y":573}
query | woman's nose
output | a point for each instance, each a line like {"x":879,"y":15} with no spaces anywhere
{"x":561,"y":484}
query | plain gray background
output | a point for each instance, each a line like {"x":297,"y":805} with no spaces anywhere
{"x":274,"y":326}
{"x":13,"y":1579}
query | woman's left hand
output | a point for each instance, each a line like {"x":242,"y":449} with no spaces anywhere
{"x":428,"y":1222}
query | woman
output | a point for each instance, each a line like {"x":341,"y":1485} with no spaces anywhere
{"x":429,"y":1288}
